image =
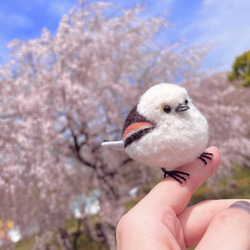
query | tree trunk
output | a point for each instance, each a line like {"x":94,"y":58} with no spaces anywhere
{"x":65,"y":239}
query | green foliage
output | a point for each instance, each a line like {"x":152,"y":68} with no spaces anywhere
{"x":241,"y":69}
{"x":25,"y":244}
{"x":236,"y":188}
{"x":86,"y":243}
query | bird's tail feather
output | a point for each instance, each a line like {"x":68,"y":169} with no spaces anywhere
{"x":115,"y":145}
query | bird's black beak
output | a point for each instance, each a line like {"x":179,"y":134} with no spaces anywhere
{"x":182,"y":107}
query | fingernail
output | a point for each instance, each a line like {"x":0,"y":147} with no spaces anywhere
{"x":243,"y":205}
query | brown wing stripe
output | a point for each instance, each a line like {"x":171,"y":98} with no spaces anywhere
{"x":136,"y":136}
{"x":136,"y":126}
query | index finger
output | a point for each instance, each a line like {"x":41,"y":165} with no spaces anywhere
{"x":172,"y":194}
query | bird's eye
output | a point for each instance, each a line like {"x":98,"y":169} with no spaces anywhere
{"x":167,"y":109}
{"x":186,"y":101}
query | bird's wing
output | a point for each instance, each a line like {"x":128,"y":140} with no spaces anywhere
{"x":135,"y":126}
{"x":115,"y":145}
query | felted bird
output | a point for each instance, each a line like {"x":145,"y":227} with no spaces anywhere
{"x":165,"y":130}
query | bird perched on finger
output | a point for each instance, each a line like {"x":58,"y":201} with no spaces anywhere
{"x":165,"y":130}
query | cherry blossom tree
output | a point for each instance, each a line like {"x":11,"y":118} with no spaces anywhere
{"x":241,"y":70}
{"x":63,"y":94}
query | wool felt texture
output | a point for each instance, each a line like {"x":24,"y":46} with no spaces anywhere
{"x":176,"y":138}
{"x":165,"y":129}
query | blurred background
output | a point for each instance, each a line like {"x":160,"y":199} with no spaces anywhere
{"x":70,"y":71}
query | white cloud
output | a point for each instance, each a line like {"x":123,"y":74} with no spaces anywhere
{"x":225,"y":22}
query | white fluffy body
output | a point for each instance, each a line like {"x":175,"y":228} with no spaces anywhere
{"x":178,"y":138}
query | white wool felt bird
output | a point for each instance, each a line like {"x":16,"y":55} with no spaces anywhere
{"x":165,"y":130}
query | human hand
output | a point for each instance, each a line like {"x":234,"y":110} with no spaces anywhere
{"x":161,"y":219}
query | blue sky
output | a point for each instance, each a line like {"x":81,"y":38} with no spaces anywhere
{"x":224,"y":22}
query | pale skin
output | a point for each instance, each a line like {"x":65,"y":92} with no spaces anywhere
{"x":162,"y":220}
